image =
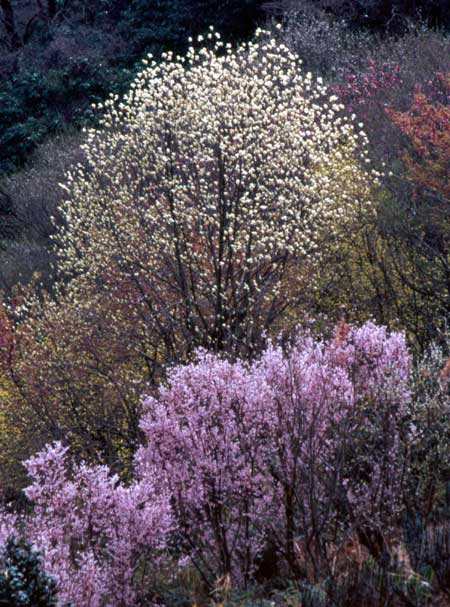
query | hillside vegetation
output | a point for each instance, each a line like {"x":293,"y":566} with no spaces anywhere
{"x":225,"y":303}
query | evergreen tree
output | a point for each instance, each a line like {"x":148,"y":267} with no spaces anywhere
{"x":23,"y":583}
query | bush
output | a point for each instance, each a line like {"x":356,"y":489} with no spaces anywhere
{"x":318,"y":463}
{"x":23,"y":583}
{"x":98,"y":537}
{"x":296,"y":453}
{"x":293,"y":455}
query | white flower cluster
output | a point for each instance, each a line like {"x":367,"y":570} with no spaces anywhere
{"x":216,"y":173}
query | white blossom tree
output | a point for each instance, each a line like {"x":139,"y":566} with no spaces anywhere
{"x":206,"y":186}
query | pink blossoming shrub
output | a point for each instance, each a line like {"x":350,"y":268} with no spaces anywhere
{"x":292,"y":454}
{"x":294,"y":451}
{"x":8,"y":525}
{"x":93,"y":531}
{"x":358,"y":89}
{"x":203,"y":436}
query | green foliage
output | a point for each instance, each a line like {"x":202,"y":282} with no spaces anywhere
{"x":166,"y":24}
{"x":52,"y":80}
{"x":36,"y":103}
{"x":22,"y":581}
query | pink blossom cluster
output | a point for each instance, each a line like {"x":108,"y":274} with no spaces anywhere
{"x":295,"y":449}
{"x":358,"y":89}
{"x":93,"y":531}
{"x":436,"y":89}
{"x":8,"y":525}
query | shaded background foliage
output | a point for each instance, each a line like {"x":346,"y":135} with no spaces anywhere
{"x":382,"y":15}
{"x":60,"y":58}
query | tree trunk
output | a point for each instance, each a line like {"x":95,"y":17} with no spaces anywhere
{"x":51,"y":9}
{"x":10,"y":25}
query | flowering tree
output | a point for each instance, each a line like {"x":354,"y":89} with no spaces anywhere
{"x":426,"y":124}
{"x":298,"y":450}
{"x":93,"y":532}
{"x":357,"y":89}
{"x":368,"y":92}
{"x":201,"y":190}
